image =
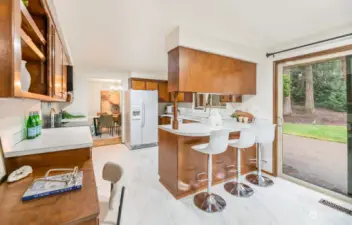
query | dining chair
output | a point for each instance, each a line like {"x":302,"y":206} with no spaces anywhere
{"x":106,"y":121}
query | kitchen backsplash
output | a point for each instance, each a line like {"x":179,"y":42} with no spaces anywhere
{"x":13,"y":119}
{"x":47,"y":106}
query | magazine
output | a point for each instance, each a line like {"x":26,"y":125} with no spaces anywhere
{"x":52,"y":185}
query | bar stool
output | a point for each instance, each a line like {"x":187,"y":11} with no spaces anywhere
{"x":218,"y":143}
{"x":247,"y":139}
{"x":264,"y":134}
{"x":112,"y":172}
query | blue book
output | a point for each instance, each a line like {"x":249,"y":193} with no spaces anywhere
{"x":41,"y":188}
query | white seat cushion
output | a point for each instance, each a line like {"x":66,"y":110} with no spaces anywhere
{"x":201,"y":148}
{"x":233,"y":142}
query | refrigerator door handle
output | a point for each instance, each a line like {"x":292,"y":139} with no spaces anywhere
{"x":143,"y":114}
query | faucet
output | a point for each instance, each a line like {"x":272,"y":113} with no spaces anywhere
{"x":208,"y":105}
{"x":52,"y":117}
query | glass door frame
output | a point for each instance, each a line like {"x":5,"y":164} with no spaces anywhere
{"x":349,"y":111}
{"x":278,"y":118}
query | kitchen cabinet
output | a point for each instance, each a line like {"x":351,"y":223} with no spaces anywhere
{"x":32,"y":34}
{"x":151,"y":85}
{"x":182,"y":97}
{"x":191,"y":70}
{"x":189,"y":121}
{"x":164,"y":95}
{"x":58,"y":66}
{"x":138,"y":85}
{"x":161,"y":86}
{"x":231,"y":98}
{"x":64,"y":76}
{"x":164,"y":120}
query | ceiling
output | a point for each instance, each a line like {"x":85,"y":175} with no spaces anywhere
{"x":129,"y":35}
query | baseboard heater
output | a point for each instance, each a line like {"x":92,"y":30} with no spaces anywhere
{"x":337,"y":207}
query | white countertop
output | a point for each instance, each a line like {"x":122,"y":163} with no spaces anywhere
{"x":83,"y":119}
{"x":201,"y":130}
{"x":186,"y":117}
{"x":53,"y":140}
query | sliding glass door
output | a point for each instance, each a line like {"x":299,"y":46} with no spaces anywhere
{"x":314,"y":98}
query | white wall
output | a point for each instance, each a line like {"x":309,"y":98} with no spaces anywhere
{"x":84,"y":93}
{"x":13,"y":115}
{"x":82,"y":89}
{"x":95,"y":87}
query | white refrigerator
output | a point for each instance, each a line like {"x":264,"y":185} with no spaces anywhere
{"x":141,"y":113}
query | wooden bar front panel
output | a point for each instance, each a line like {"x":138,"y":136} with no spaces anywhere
{"x":192,"y":70}
{"x":61,"y":159}
{"x":168,"y":150}
{"x":179,"y":164}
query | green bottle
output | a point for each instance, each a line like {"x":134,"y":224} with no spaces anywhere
{"x":36,"y":118}
{"x":31,"y":126}
{"x":39,"y":124}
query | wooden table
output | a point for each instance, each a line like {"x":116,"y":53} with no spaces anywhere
{"x":71,"y":208}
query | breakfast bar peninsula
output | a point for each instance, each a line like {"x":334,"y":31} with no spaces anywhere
{"x":183,"y":171}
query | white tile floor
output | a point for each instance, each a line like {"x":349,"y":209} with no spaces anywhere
{"x":147,"y":202}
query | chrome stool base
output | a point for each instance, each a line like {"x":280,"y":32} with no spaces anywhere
{"x":259,"y":180}
{"x":239,"y":189}
{"x":209,"y":202}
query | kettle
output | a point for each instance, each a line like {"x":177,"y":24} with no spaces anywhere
{"x":169,"y":109}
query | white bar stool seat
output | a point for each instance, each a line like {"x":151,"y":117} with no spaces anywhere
{"x":239,"y":189}
{"x":218,"y":143}
{"x":264,"y":134}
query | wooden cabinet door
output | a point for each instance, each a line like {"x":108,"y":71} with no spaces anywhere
{"x":188,"y":97}
{"x":138,"y":85}
{"x":224,"y":98}
{"x":58,"y":66}
{"x":163,"y":93}
{"x":64,"y":76}
{"x":180,"y":97}
{"x":50,"y":58}
{"x":230,"y":98}
{"x":164,"y":120}
{"x":188,"y":71}
{"x":183,"y":97}
{"x":152,"y":85}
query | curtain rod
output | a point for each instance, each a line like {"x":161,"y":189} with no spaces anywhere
{"x":306,"y":45}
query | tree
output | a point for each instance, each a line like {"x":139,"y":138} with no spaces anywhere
{"x":309,"y":102}
{"x":287,"y":93}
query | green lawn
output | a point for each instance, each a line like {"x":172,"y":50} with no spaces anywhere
{"x":322,"y":132}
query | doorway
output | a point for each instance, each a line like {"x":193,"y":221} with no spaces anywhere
{"x":105,"y":111}
{"x":312,"y":109}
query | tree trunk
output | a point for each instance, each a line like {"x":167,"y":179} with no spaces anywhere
{"x":287,"y":109}
{"x":309,"y":104}
{"x":287,"y":106}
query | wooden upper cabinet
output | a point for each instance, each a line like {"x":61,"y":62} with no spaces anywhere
{"x":151,"y":85}
{"x":58,"y":67}
{"x":163,"y":93}
{"x":29,"y":33}
{"x":138,"y":85}
{"x":161,"y":86}
{"x":230,"y":98}
{"x":182,"y":97}
{"x":64,"y":76}
{"x":192,"y":70}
